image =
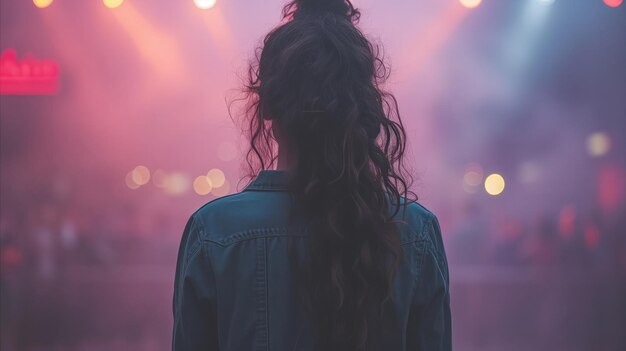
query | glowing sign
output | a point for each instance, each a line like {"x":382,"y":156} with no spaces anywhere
{"x":27,"y":76}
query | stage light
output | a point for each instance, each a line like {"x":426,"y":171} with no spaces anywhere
{"x":205,"y":4}
{"x":598,"y":144}
{"x":202,"y":185}
{"x":141,"y":175}
{"x":112,"y":3}
{"x":470,"y":4}
{"x":494,"y":184}
{"x":216,"y":176}
{"x":42,"y":3}
{"x":613,"y":3}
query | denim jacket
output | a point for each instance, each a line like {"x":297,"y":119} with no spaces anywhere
{"x":233,"y":289}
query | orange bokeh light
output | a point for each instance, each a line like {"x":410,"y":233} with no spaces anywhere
{"x":202,"y":185}
{"x":217,"y":177}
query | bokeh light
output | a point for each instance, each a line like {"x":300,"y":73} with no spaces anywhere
{"x":598,"y":144}
{"x":130,"y":182}
{"x":42,"y":3}
{"x":205,"y":4}
{"x":216,"y":176}
{"x":141,"y":175}
{"x":177,"y":183}
{"x":473,"y":175}
{"x":112,"y":3}
{"x":472,"y":178}
{"x":592,"y":236}
{"x":494,"y":184}
{"x":222,"y":190}
{"x":202,"y":185}
{"x":613,"y":3}
{"x":159,"y":178}
{"x":567,"y":221}
{"x":611,"y":187}
{"x":470,"y":4}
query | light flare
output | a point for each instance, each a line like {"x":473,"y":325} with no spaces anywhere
{"x":494,"y":184}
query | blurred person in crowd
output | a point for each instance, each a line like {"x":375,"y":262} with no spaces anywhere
{"x":327,"y":251}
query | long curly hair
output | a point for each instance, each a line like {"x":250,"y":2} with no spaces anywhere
{"x":315,"y":89}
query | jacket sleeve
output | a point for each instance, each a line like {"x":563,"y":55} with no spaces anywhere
{"x":430,"y":318}
{"x":195,"y":318}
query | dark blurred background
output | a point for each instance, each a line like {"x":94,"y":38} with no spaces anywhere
{"x":115,"y":128}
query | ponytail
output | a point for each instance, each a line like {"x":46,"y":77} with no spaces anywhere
{"x":317,"y":83}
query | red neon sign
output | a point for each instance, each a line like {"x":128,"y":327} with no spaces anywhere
{"x":27,"y":76}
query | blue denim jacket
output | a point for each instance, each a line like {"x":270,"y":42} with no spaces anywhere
{"x":233,"y":289}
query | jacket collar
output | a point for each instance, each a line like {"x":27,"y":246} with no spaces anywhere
{"x":269,"y":180}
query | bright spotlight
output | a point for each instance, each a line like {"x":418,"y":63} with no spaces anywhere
{"x":470,"y":4}
{"x":112,"y":3}
{"x":42,"y":3}
{"x":613,"y":3}
{"x":494,"y":184}
{"x":205,"y":4}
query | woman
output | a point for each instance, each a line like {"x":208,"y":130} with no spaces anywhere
{"x":325,"y":252}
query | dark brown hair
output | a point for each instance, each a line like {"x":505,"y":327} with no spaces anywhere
{"x":317,"y":79}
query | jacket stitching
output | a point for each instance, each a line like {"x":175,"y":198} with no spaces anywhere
{"x":253,"y":234}
{"x":261,"y":298}
{"x":267,"y":319}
